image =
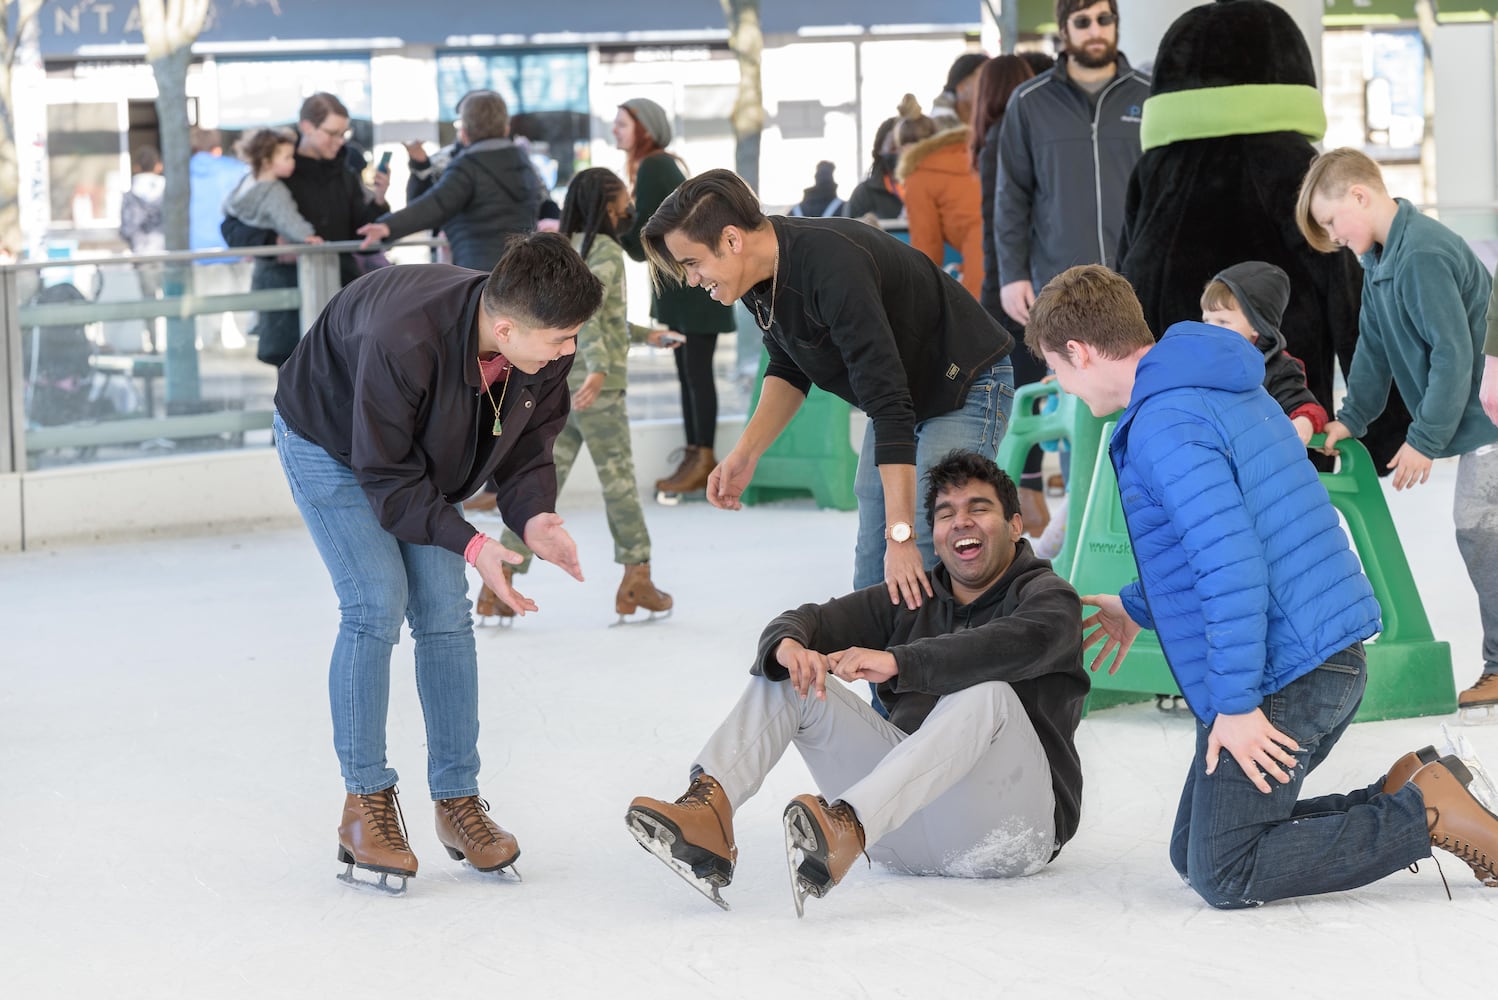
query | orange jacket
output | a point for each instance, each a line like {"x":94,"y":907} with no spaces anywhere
{"x":944,"y":202}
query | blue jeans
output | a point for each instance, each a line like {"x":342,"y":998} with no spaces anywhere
{"x":1238,"y":847}
{"x":380,"y":581}
{"x":977,"y":426}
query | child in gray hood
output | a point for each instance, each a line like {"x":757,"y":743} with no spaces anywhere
{"x":262,"y":199}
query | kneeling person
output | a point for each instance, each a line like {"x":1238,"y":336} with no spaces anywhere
{"x":974,"y":774}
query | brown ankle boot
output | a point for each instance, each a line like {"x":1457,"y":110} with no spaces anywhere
{"x":687,"y":455}
{"x":488,"y":604}
{"x":1403,"y":769}
{"x":373,"y":836}
{"x":637,"y":591}
{"x":692,"y":475}
{"x":465,"y":829}
{"x":1458,"y":822}
{"x":828,"y":839}
{"x":693,"y":835}
{"x":1034,"y":513}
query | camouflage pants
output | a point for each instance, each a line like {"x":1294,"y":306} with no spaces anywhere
{"x":605,"y":428}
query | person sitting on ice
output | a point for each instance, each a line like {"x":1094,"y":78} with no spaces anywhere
{"x":975,"y":773}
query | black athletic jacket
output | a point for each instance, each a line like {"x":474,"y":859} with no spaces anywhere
{"x":871,"y":319}
{"x":387,"y":382}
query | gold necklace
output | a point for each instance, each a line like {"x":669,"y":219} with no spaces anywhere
{"x":498,"y":427}
{"x":764,"y":319}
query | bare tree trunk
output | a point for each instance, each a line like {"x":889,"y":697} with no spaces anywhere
{"x":170,"y":27}
{"x":25,"y":14}
{"x":748,"y":43}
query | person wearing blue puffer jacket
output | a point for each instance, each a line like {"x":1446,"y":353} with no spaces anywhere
{"x":1260,"y":605}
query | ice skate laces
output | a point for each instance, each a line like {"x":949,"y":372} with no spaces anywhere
{"x":388,"y":824}
{"x":470,"y":817}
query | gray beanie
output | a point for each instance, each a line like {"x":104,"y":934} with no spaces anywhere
{"x":652,"y":118}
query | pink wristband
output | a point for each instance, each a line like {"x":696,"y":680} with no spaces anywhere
{"x":471,"y":553}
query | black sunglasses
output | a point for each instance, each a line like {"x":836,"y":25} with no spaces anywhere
{"x":1082,"y":22}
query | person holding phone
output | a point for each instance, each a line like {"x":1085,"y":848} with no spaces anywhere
{"x":488,"y":194}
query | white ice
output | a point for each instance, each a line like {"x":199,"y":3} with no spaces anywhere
{"x":169,"y":798}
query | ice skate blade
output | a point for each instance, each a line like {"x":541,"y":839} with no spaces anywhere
{"x":383,"y":885}
{"x":1482,"y":785}
{"x":1478,"y":715}
{"x":674,"y":499}
{"x":657,"y":839}
{"x":800,"y":841}
{"x":655,"y":616}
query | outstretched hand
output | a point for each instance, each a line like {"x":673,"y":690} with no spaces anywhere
{"x":1112,"y":623}
{"x":546,"y":538}
{"x":728,"y":480}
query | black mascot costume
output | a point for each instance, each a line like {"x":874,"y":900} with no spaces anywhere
{"x":1227,"y":135}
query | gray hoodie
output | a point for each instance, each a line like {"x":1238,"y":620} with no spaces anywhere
{"x":268,"y":205}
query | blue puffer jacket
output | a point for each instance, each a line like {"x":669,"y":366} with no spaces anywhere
{"x":1244,"y":571}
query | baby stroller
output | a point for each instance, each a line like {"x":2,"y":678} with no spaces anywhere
{"x":59,"y":378}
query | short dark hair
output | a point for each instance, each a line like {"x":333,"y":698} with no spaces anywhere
{"x":1092,"y":305}
{"x":700,"y":208}
{"x":542,"y":283}
{"x":146,"y":159}
{"x":959,"y":467}
{"x":319,"y":106}
{"x":1066,"y":8}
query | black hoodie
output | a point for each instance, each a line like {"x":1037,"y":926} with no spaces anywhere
{"x":1025,"y":630}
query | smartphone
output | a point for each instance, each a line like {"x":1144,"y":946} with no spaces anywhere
{"x":384,"y":166}
{"x":672,"y":337}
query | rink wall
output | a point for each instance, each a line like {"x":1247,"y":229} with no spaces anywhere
{"x":228,"y":491}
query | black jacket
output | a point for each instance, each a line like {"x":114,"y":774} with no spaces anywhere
{"x":330,"y":196}
{"x":387,"y":382}
{"x":1065,"y":164}
{"x":874,"y":321}
{"x":873,"y":195}
{"x":1026,"y":631}
{"x":486,"y":195}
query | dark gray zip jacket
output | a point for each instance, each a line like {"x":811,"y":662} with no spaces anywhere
{"x":1025,"y":630}
{"x":486,"y":195}
{"x":1064,"y":169}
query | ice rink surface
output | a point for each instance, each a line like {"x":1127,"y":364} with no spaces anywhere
{"x":169,"y":801}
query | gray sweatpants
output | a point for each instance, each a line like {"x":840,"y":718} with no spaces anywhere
{"x":1475,"y":508}
{"x":968,"y":794}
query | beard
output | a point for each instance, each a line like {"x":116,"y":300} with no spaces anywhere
{"x":1094,"y":59}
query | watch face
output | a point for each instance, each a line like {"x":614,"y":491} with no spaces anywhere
{"x":899,"y":532}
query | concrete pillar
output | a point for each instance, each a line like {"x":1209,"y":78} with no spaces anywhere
{"x":1142,"y":23}
{"x":1463,"y":58}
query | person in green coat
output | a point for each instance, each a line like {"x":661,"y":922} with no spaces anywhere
{"x":642,"y":129}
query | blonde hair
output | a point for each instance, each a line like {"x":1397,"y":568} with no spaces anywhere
{"x":1091,"y":305}
{"x":1329,"y":176}
{"x":1217,"y":295}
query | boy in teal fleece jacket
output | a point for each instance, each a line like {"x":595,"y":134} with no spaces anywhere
{"x":1422,"y":326}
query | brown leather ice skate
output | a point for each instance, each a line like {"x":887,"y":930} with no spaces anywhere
{"x":1034,"y":513}
{"x":827,"y":839}
{"x":691,"y":475}
{"x":1403,"y":769}
{"x":1458,"y":822}
{"x":465,"y":829}
{"x":372,"y":836}
{"x":637,"y":591}
{"x":693,"y":835}
{"x":1479,"y":703}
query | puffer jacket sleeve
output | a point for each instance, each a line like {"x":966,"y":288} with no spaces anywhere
{"x":1188,"y":470}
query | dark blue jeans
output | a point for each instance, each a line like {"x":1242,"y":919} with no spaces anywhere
{"x":1238,"y":847}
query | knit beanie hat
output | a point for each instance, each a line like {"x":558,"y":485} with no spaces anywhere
{"x":1262,"y":291}
{"x":652,"y":118}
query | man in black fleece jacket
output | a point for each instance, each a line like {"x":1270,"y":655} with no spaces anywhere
{"x":974,"y":774}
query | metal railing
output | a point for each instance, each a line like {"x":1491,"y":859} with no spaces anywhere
{"x":70,"y":386}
